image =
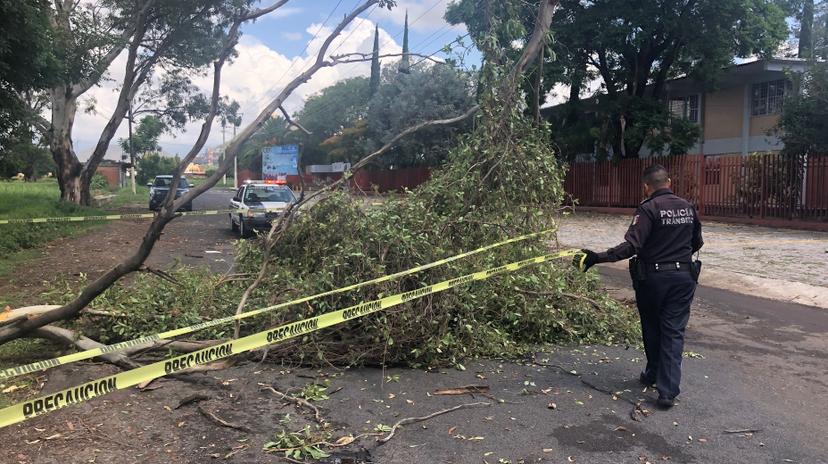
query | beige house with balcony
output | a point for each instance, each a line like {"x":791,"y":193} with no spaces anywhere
{"x":738,"y":116}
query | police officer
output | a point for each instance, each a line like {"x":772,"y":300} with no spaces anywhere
{"x":663,"y":235}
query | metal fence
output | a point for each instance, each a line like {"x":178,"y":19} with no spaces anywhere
{"x":760,"y":186}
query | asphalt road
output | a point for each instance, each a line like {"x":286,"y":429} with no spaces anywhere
{"x":199,"y":240}
{"x":763,"y":365}
{"x":756,"y":365}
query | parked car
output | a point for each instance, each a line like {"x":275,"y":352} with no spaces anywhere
{"x":256,"y":204}
{"x":159,"y":188}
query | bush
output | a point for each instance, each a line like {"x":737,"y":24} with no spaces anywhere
{"x":154,"y":164}
{"x":98,"y":183}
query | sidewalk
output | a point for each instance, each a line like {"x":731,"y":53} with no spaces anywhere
{"x":780,"y":264}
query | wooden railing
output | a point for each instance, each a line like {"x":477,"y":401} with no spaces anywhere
{"x":760,"y":186}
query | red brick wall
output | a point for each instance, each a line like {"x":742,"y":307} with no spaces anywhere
{"x":112,"y":174}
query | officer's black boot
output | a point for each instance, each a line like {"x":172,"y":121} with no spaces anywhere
{"x":646,"y":380}
{"x":665,"y":402}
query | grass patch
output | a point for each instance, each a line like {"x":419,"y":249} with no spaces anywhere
{"x":125,"y":198}
{"x":33,"y":200}
{"x":15,"y":353}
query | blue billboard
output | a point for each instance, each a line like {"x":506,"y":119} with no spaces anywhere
{"x":280,"y":161}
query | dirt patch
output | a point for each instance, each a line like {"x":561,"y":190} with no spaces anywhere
{"x":194,"y":241}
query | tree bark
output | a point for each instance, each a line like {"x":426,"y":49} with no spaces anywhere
{"x":806,"y":26}
{"x":64,"y":107}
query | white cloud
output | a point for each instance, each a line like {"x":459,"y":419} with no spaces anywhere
{"x":423,"y":15}
{"x":282,"y":12}
{"x":292,"y":36}
{"x":253,"y":78}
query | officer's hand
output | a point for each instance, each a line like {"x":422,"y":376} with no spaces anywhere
{"x":585,"y":260}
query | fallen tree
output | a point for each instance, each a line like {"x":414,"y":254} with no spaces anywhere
{"x":167,"y":213}
{"x":502,"y":180}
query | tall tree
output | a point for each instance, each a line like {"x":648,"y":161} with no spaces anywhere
{"x":375,"y":64}
{"x":327,"y":113}
{"x":27,"y":64}
{"x":145,"y":138}
{"x":428,"y":92}
{"x":806,"y":26}
{"x":179,"y":37}
{"x":635,"y":46}
{"x":405,"y":62}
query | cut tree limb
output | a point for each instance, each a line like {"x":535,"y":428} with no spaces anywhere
{"x":411,"y":420}
{"x":66,"y":336}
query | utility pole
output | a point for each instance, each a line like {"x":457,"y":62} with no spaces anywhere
{"x":236,"y":124}
{"x":131,"y":151}
{"x":223,"y":150}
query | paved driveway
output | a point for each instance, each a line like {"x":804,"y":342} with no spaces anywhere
{"x":781,"y":264}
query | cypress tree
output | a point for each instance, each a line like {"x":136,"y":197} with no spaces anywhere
{"x":375,"y":64}
{"x":405,"y":64}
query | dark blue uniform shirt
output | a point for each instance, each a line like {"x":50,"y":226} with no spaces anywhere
{"x":665,"y":229}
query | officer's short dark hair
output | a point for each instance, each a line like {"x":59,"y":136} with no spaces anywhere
{"x":655,"y":176}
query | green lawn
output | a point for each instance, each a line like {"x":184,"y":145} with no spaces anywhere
{"x":41,"y":199}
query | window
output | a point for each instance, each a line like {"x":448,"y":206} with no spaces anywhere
{"x":166,"y":181}
{"x":767,"y":97}
{"x":257,"y":193}
{"x":685,"y":108}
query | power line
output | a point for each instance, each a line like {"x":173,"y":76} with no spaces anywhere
{"x":302,"y":53}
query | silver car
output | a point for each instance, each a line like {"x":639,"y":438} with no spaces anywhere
{"x":256,"y":204}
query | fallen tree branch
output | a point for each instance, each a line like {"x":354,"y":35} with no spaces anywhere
{"x":294,"y":400}
{"x":69,"y":337}
{"x":566,"y":294}
{"x":411,"y":420}
{"x":218,"y":420}
{"x":171,"y":204}
{"x":278,"y":227}
{"x":292,"y":122}
{"x":191,"y":399}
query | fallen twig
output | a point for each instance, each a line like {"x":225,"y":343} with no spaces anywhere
{"x":411,"y":420}
{"x":192,"y":399}
{"x":292,"y":399}
{"x":218,"y":420}
{"x":743,"y":431}
{"x":464,"y":390}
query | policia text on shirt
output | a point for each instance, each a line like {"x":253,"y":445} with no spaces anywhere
{"x":663,"y":235}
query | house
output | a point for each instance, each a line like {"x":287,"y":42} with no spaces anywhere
{"x":738,"y":115}
{"x":113,"y":171}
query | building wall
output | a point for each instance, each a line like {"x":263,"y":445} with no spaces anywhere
{"x":112,"y":175}
{"x":723,"y":112}
{"x":760,"y":125}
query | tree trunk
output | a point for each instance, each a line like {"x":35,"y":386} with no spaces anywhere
{"x":64,"y":107}
{"x":806,"y":25}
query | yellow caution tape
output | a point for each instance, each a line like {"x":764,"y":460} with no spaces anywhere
{"x":84,"y":392}
{"x":87,"y":354}
{"x":109,"y":217}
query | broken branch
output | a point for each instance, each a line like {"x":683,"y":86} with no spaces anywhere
{"x":411,"y":420}
{"x":294,"y":400}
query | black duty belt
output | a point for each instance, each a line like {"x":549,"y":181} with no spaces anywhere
{"x":668,"y":266}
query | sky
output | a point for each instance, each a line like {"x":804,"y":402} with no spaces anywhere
{"x":275,"y":49}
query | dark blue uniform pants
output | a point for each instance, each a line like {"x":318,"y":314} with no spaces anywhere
{"x":663,"y":301}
